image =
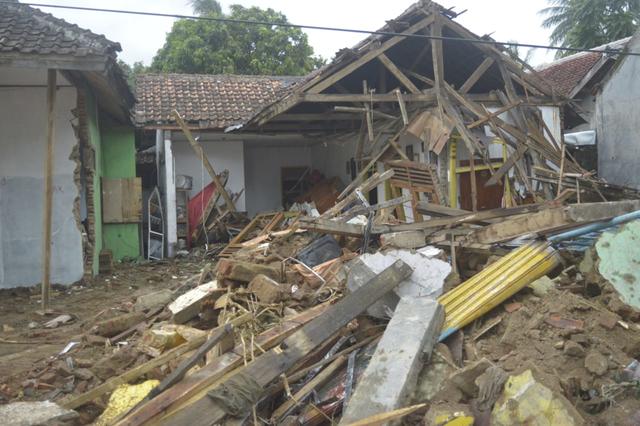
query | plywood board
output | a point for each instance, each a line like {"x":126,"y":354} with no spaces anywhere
{"x":122,"y":200}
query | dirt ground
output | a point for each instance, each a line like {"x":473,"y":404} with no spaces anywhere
{"x":25,"y":345}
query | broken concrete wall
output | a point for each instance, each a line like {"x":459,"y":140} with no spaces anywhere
{"x":23,"y":120}
{"x":618,"y":120}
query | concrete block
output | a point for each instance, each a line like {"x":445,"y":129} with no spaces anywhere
{"x":152,"y":300}
{"x":267,"y":290}
{"x":34,"y":413}
{"x":188,"y":305}
{"x":393,"y":370}
{"x":404,"y":240}
{"x":427,"y":279}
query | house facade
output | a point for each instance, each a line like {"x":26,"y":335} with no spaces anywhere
{"x":602,"y":89}
{"x":477,"y":122}
{"x":93,"y":141}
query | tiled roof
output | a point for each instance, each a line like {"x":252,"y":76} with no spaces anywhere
{"x":24,"y":29}
{"x":212,"y":101}
{"x":566,"y":73}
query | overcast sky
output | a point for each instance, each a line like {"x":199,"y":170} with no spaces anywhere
{"x":142,"y":36}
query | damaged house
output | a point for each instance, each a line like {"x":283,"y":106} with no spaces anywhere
{"x":456,"y":120}
{"x":54,"y":71}
{"x":601,"y":125}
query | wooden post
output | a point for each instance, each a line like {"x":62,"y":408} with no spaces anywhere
{"x":48,"y":188}
{"x":561,"y":174}
{"x":474,"y":185}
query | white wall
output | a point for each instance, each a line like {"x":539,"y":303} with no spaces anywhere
{"x":23,"y":123}
{"x":331,"y":157}
{"x":618,"y":122}
{"x":263,"y":162}
{"x":223,"y":155}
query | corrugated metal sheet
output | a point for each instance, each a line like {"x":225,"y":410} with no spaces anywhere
{"x":495,"y":284}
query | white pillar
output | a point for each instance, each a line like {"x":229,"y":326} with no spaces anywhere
{"x":170,"y":196}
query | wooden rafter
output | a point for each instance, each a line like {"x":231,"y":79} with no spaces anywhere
{"x":476,"y":75}
{"x":393,"y":69}
{"x":367,"y":57}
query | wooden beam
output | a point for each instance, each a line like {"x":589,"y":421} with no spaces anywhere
{"x":368,"y":56}
{"x":476,"y":75}
{"x":295,"y":400}
{"x":346,"y":116}
{"x":420,"y":77}
{"x":403,"y":108}
{"x":270,"y":365}
{"x":427,"y":96}
{"x":366,"y":186}
{"x":437,"y":54}
{"x":200,"y":153}
{"x":511,"y":161}
{"x":393,"y":69}
{"x":47,"y":211}
{"x":498,"y":112}
{"x":368,"y":112}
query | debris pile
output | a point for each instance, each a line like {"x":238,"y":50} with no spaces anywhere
{"x":308,"y":321}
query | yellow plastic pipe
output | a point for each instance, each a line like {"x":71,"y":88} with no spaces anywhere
{"x":495,"y":284}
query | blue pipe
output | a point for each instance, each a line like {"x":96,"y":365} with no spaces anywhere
{"x":594,"y":227}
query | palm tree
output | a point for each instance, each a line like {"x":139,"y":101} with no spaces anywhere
{"x":206,"y":7}
{"x":590,"y":23}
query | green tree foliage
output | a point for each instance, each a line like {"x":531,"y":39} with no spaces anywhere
{"x":590,"y":23}
{"x":206,"y":47}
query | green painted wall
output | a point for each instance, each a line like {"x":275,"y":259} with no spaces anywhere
{"x":96,"y":141}
{"x":118,"y":162}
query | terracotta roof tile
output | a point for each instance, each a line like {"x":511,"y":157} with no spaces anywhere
{"x":566,"y":73}
{"x":212,"y":101}
{"x":24,"y":29}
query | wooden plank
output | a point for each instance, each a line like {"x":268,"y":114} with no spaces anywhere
{"x":393,"y":69}
{"x":474,"y":183}
{"x":270,"y":365}
{"x":200,"y":153}
{"x":47,"y":211}
{"x":299,"y":396}
{"x":507,"y":165}
{"x":427,"y":96}
{"x":498,"y":112}
{"x":476,"y":75}
{"x":439,"y":210}
{"x":366,"y":186}
{"x":363,"y":173}
{"x":215,"y":337}
{"x":403,"y":108}
{"x":197,"y":384}
{"x":368,"y":56}
{"x":437,"y":54}
{"x":325,"y":226}
{"x":361,"y":210}
{"x":122,"y":200}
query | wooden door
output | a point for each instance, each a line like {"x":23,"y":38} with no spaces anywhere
{"x":488,"y":197}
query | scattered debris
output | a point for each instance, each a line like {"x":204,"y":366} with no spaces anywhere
{"x":527,"y":401}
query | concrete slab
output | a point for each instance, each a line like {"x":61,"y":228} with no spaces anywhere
{"x":427,"y":279}
{"x":393,"y":370}
{"x":34,"y":413}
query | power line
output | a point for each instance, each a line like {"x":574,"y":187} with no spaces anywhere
{"x":323,"y":28}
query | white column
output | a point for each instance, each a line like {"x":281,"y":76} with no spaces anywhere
{"x":170,"y":196}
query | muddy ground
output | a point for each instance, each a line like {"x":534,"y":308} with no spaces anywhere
{"x":25,"y":345}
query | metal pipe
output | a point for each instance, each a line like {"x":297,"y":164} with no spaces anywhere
{"x":594,"y":227}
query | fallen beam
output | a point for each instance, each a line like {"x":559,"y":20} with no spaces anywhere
{"x":392,"y":373}
{"x":247,"y":386}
